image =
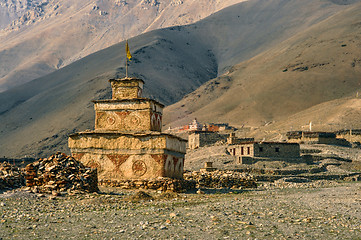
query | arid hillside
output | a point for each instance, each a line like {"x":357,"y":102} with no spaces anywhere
{"x":37,"y":117}
{"x":313,"y":76}
{"x":38,"y":37}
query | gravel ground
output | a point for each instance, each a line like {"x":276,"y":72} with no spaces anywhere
{"x":321,"y":210}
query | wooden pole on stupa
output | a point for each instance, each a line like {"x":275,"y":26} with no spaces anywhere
{"x":128,"y":57}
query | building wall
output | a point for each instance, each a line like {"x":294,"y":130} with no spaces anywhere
{"x":201,"y":139}
{"x":115,"y":166}
{"x":276,"y":150}
{"x":322,"y":140}
{"x":127,"y":156}
{"x":265,"y":150}
{"x":234,"y":140}
{"x":350,"y":137}
{"x":140,"y":116}
{"x":242,"y":150}
{"x":193,"y":141}
{"x":341,"y":138}
{"x":127,"y":89}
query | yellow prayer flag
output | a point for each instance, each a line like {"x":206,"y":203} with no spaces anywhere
{"x":129,"y":56}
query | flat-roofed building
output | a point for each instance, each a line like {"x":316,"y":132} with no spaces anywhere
{"x":247,"y":153}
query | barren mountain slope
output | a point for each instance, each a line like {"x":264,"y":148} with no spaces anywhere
{"x":46,"y":35}
{"x":315,"y":66}
{"x":37,"y":117}
{"x":344,"y":113}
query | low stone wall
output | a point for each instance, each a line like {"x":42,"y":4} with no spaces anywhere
{"x":192,"y":180}
{"x":345,"y":177}
{"x":161,"y":184}
{"x":252,"y":160}
{"x":221,"y":179}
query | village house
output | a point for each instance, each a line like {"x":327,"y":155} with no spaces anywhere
{"x":251,"y":152}
{"x":316,"y":138}
{"x":197,"y":139}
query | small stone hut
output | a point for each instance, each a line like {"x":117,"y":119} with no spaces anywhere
{"x":127,"y":143}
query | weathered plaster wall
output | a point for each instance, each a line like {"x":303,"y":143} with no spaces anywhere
{"x":130,"y":156}
{"x":139,"y":115}
{"x":109,"y":140}
{"x":126,"y":89}
{"x":116,"y":166}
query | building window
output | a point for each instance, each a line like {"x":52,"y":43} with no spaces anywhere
{"x":261,"y":149}
{"x":234,"y":151}
{"x":248,"y":150}
{"x":242,"y":151}
{"x":277,"y":149}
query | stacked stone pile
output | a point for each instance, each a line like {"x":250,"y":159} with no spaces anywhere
{"x":10,"y":176}
{"x":160,"y":183}
{"x":221,"y":179}
{"x":60,"y":173}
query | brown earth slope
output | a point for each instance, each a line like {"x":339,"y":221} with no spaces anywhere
{"x":296,"y":82}
{"x":39,"y":37}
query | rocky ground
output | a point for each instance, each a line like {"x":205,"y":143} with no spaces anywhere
{"x":292,"y":206}
{"x":329,"y":159}
{"x":316,"y":210}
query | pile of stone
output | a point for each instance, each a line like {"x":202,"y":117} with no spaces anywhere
{"x":10,"y":177}
{"x":160,"y":184}
{"x":221,"y":179}
{"x":60,"y":174}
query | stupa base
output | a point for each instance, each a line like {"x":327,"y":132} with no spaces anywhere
{"x":131,"y":156}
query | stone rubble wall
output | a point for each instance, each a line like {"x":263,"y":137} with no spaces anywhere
{"x":10,"y":176}
{"x":221,"y":179}
{"x":160,"y":184}
{"x":354,"y":137}
{"x":60,"y":173}
{"x":192,"y":180}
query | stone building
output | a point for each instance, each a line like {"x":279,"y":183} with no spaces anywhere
{"x":232,"y":139}
{"x":351,"y":135}
{"x":127,"y":142}
{"x":316,"y":138}
{"x":251,"y":152}
{"x":197,"y":139}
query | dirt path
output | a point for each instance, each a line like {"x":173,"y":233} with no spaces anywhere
{"x":328,"y":212}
